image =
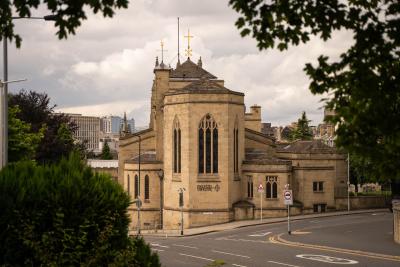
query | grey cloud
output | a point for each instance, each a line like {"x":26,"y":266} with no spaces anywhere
{"x":108,"y":66}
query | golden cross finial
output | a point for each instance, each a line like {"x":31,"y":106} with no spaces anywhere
{"x":162,"y":50}
{"x":188,"y":50}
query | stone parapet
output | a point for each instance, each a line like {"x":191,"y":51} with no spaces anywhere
{"x":396,"y":223}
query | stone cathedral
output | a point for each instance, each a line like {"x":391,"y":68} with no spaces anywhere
{"x":201,"y":139}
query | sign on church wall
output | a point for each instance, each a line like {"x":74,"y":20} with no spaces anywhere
{"x":208,"y":188}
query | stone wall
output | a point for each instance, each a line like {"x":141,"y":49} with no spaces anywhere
{"x":361,"y":202}
{"x":396,"y":217}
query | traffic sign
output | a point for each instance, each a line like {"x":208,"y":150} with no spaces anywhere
{"x":260,"y":188}
{"x":288,"y":197}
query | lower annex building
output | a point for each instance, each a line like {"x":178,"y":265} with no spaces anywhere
{"x":201,"y":139}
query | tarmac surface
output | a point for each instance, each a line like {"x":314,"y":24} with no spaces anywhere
{"x":359,"y":239}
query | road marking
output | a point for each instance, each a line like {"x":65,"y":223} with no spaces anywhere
{"x":314,"y":221}
{"x":185,"y":246}
{"x":280,"y":241}
{"x":241,"y":240}
{"x":158,"y":245}
{"x":328,"y":259}
{"x":281,"y":263}
{"x":217,"y":251}
{"x":157,"y":249}
{"x":238,"y":265}
{"x":297,"y":232}
{"x":197,"y":257}
{"x":261,"y":234}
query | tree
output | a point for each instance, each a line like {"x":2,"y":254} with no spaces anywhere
{"x":364,"y":84}
{"x":36,"y":110}
{"x":302,"y":130}
{"x":105,"y":152}
{"x":69,"y":14}
{"x":22,"y":142}
{"x":64,"y":214}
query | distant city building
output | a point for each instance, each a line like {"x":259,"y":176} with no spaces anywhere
{"x":88,"y":131}
{"x":113,"y":124}
{"x":130,"y":124}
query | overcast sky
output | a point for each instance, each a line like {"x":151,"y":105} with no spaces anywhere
{"x":107,"y":67}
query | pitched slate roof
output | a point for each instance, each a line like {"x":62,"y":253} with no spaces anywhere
{"x":258,"y":156}
{"x":312,"y":146}
{"x":145,"y":157}
{"x":189,"y":69}
{"x":204,"y":86}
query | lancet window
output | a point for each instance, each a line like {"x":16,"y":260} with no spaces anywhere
{"x":236,"y":148}
{"x":177,"y":146}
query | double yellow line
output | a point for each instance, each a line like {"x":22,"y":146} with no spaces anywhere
{"x":277,"y":239}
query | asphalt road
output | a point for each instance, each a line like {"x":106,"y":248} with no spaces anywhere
{"x":358,"y":240}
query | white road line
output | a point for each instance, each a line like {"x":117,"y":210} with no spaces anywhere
{"x":197,"y":257}
{"x":157,"y":249}
{"x":158,"y":245}
{"x":281,"y":263}
{"x":238,"y":265}
{"x":185,"y":246}
{"x":261,"y":234}
{"x":217,"y":251}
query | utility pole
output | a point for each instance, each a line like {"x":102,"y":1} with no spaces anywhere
{"x":348,"y":182}
{"x":4,"y":121}
{"x":4,"y":93}
{"x":139,"y":202}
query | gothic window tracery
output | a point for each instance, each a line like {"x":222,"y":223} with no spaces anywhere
{"x":271,"y":187}
{"x":208,"y":145}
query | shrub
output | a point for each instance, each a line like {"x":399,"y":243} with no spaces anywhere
{"x":64,"y":215}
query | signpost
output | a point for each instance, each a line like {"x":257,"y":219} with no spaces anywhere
{"x":181,"y":206}
{"x":288,"y":200}
{"x":138,"y":203}
{"x":261,"y":191}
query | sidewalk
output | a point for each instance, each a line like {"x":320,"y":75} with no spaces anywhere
{"x":238,"y":224}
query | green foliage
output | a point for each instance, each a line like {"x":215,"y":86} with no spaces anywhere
{"x":22,"y":142}
{"x":65,"y":215}
{"x":105,"y":153}
{"x":36,"y":110}
{"x":302,"y":130}
{"x":363,"y":85}
{"x":69,"y":14}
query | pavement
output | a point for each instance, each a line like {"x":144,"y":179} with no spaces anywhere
{"x":246,"y":223}
{"x":362,"y":238}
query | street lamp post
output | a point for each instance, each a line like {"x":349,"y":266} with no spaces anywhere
{"x":348,"y":182}
{"x":139,"y":202}
{"x":181,"y":206}
{"x":4,"y":93}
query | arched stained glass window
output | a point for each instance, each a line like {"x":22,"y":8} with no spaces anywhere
{"x":208,"y":145}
